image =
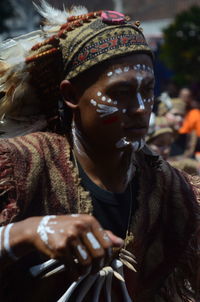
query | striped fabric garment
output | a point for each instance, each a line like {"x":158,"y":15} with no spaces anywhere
{"x":38,"y":178}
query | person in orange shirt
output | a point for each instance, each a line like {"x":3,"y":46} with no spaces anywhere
{"x":192,"y":124}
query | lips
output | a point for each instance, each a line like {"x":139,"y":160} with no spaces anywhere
{"x":139,"y":129}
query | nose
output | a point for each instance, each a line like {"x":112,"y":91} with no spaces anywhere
{"x":137,"y":106}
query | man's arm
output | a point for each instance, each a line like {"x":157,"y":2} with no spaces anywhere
{"x":65,"y":238}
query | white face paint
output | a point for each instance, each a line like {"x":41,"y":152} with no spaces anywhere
{"x":94,"y":242}
{"x":138,"y":67}
{"x":106,"y":110}
{"x":136,"y":145}
{"x":82,"y":252}
{"x":43,"y":230}
{"x":140,"y":101}
{"x":139,"y":78}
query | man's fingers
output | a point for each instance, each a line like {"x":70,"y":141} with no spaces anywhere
{"x":95,"y":249}
{"x":116,"y":241}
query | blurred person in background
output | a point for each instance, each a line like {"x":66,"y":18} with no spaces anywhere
{"x":186,"y":95}
{"x":161,"y":140}
{"x":191,"y":124}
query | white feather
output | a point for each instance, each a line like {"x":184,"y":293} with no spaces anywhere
{"x":78,"y":10}
{"x":52,"y":15}
{"x":55,"y":16}
{"x":14,"y":51}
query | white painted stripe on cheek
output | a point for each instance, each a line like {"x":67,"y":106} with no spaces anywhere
{"x":106,"y":110}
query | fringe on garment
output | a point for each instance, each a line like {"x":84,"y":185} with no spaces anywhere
{"x":183,"y":285}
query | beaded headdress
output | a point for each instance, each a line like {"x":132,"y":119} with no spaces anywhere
{"x":32,"y":66}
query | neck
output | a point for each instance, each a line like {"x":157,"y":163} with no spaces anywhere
{"x":111,"y":170}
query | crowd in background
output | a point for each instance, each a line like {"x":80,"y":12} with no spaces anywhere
{"x":174,"y":130}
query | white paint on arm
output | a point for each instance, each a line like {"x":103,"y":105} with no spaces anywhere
{"x":44,"y":230}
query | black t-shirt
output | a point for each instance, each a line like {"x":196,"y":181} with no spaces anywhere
{"x":112,"y":210}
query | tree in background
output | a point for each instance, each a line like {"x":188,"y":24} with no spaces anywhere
{"x":181,"y":48}
{"x":5,"y":13}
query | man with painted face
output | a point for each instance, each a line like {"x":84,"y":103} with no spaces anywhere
{"x":117,"y":222}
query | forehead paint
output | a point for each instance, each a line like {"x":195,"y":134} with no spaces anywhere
{"x":139,"y":67}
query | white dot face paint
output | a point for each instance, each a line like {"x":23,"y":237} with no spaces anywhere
{"x":118,"y":71}
{"x":99,"y":93}
{"x":109,"y":74}
{"x":82,"y":252}
{"x":126,"y":68}
{"x":93,"y":102}
{"x":138,"y":67}
{"x":94,"y":242}
{"x":104,"y":98}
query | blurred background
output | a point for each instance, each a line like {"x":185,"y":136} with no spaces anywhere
{"x":172,"y":28}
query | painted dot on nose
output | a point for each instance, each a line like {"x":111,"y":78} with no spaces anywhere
{"x":99,"y":93}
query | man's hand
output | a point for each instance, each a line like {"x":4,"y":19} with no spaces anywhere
{"x":77,"y":240}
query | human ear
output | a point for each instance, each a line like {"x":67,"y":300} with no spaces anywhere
{"x":68,"y":93}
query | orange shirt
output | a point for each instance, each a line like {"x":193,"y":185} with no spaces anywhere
{"x":191,"y":122}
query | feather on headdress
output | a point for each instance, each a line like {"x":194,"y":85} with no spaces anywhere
{"x":13,"y":52}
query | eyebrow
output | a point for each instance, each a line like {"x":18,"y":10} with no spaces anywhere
{"x":129,"y":83}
